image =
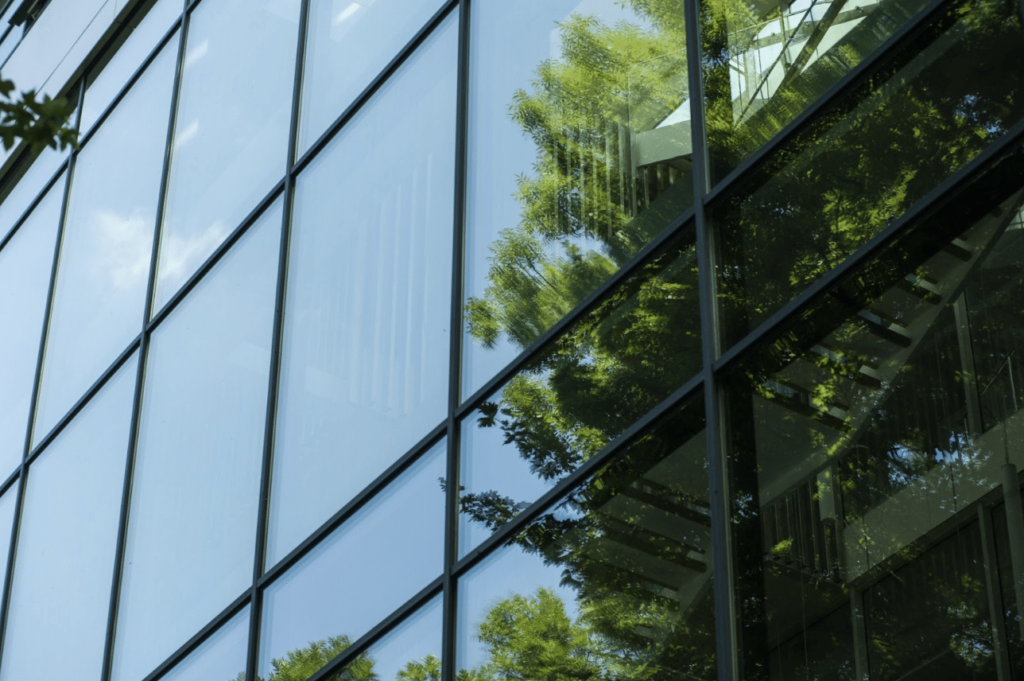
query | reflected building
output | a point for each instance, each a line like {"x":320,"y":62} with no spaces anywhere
{"x":467,"y":340}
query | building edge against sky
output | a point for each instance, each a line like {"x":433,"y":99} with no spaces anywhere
{"x":465,"y":339}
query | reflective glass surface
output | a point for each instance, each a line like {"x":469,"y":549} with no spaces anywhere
{"x":366,"y":345}
{"x":1011,"y":581}
{"x":107,"y":244}
{"x":67,"y":541}
{"x":938,"y":104}
{"x":195,"y":490}
{"x":613,"y":581}
{"x":25,"y":265}
{"x":411,"y":652}
{"x":579,"y":154}
{"x":609,"y":369}
{"x":220,"y":657}
{"x":862,"y":440}
{"x":23,"y":182}
{"x":231,"y":130}
{"x":348,"y":43}
{"x":8,"y":502}
{"x":765,"y":62}
{"x":378,"y":559}
{"x":140,"y":37}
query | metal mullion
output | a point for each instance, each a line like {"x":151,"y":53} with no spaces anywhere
{"x":382,"y":629}
{"x":97,"y":385}
{"x":726,"y":636}
{"x":144,"y":339}
{"x":368,"y":92}
{"x":877,"y":59}
{"x":610,"y":285}
{"x":277,"y":340}
{"x":215,"y":257}
{"x":27,"y":446}
{"x":639,"y":428}
{"x":353,"y":506}
{"x":200,"y":637}
{"x":453,"y":476}
{"x":47,"y":186}
{"x":122,"y":93}
{"x":996,"y":607}
{"x":922,"y":209}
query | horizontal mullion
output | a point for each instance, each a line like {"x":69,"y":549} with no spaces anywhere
{"x":583,"y":308}
{"x":921,"y":210}
{"x":610,"y":451}
{"x":382,"y":629}
{"x":876,"y":60}
{"x":352,"y":109}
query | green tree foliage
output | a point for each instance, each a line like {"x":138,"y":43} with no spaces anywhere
{"x":39,"y":121}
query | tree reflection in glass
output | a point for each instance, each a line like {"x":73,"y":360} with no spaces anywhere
{"x":613,"y":581}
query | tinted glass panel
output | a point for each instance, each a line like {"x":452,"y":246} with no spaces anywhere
{"x":349,"y":42}
{"x":107,"y":245}
{"x":765,"y":62}
{"x":25,"y":265}
{"x":7,"y":506}
{"x":614,"y":581}
{"x":231,"y":130}
{"x":616,"y":364}
{"x":865,"y":162}
{"x":860,"y":434}
{"x":365,"y":365}
{"x":579,"y":154}
{"x":67,"y":540}
{"x":1011,"y":579}
{"x":143,"y":32}
{"x":195,"y":491}
{"x":372,"y":564}
{"x":220,"y":658}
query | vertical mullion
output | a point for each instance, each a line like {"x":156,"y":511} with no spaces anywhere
{"x":23,"y":468}
{"x":451,"y":549}
{"x":262,"y":523}
{"x":725,"y":616}
{"x":122,"y":530}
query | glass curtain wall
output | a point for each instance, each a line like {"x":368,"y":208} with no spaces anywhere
{"x":463,"y":340}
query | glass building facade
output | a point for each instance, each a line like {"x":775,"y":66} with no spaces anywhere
{"x":467,"y":340}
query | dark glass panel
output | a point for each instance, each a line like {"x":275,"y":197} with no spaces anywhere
{"x":579,"y":154}
{"x":858,"y":443}
{"x":614,"y":581}
{"x":358,"y":575}
{"x":765,"y":62}
{"x":609,"y":369}
{"x":1011,"y":580}
{"x":943,"y":99}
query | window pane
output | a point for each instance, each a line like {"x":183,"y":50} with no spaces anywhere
{"x":579,"y":154}
{"x":25,"y":265}
{"x":614,"y":581}
{"x":67,"y":541}
{"x":377,"y":560}
{"x":765,"y":62}
{"x":616,"y":364}
{"x":411,"y":652}
{"x":863,"y":164}
{"x":195,"y":490}
{"x":220,"y":658}
{"x":365,"y":363}
{"x":864,"y":435}
{"x":107,"y":245}
{"x":349,"y":42}
{"x":23,"y":182}
{"x":144,"y":31}
{"x":231,"y":130}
